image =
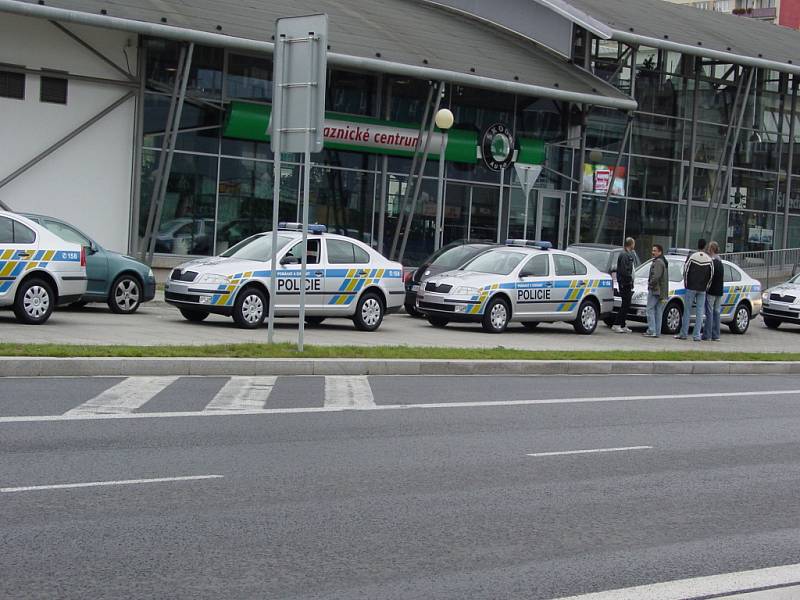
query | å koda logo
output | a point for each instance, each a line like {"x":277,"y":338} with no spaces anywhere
{"x":497,"y":147}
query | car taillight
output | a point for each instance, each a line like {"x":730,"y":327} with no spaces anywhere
{"x":408,"y":276}
{"x":83,"y":256}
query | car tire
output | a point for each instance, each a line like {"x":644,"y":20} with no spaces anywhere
{"x":741,"y":319}
{"x":772,"y":322}
{"x":125,"y":296}
{"x":439,"y":322}
{"x":314,"y":321}
{"x":195,"y":316}
{"x":412,"y":310}
{"x":671,"y":319}
{"x":587,"y":319}
{"x":496,"y":316}
{"x":369,"y":312}
{"x":250,"y":308}
{"x":530,"y":325}
{"x":34,"y":302}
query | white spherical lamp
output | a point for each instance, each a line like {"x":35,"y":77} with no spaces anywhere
{"x":444,"y":118}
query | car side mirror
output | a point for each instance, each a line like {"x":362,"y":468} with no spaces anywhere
{"x":290,"y":260}
{"x":92,"y":248}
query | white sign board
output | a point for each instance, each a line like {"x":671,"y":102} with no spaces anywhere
{"x":527,"y":175}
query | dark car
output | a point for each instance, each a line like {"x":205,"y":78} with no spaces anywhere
{"x":447,"y":258}
{"x":602,"y":256}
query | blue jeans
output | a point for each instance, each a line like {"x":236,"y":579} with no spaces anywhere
{"x":713,"y":307}
{"x":698,"y":299}
{"x":655,"y":310}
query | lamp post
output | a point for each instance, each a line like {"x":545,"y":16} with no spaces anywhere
{"x":444,"y":121}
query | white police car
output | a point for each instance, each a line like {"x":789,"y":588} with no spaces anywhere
{"x":524,"y":281}
{"x":782,"y":304}
{"x":38,"y":270}
{"x":345,"y":278}
{"x":741,"y":300}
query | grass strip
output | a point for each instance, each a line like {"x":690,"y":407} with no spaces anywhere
{"x":375,"y":352}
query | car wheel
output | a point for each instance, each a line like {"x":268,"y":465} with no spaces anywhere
{"x":530,"y":325}
{"x":369,"y":312}
{"x":194,"y":315}
{"x":438,"y":321}
{"x":741,"y":319}
{"x":671,"y":319}
{"x":412,"y":310}
{"x":314,"y":321}
{"x":588,"y":317}
{"x":125,"y":296}
{"x":249,"y":309}
{"x":496,"y":316}
{"x":34,"y":302}
{"x":772,"y":322}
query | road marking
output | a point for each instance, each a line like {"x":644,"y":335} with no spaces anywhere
{"x":593,"y":451}
{"x":65,"y":486}
{"x":242,"y":394}
{"x":123,"y":398}
{"x":703,"y":587}
{"x":343,"y":391}
{"x":70,"y":416}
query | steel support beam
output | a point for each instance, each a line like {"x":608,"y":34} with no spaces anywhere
{"x":698,"y":67}
{"x":783,"y":91}
{"x":72,"y":134}
{"x":93,"y":50}
{"x":625,"y":137}
{"x":790,"y":161}
{"x":581,"y":166}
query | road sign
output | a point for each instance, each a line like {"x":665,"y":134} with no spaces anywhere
{"x":527,"y":175}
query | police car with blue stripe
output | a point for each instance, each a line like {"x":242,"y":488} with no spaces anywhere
{"x":523,"y":281}
{"x":38,"y":270}
{"x":344,"y":278}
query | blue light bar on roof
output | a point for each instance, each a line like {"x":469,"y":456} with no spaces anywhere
{"x":312,"y":227}
{"x":530,"y":244}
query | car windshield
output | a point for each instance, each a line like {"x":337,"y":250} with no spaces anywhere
{"x":675,"y":270}
{"x":499,"y":262}
{"x":795,"y":279}
{"x":601,"y":259}
{"x":452,"y":258}
{"x":258,"y":247}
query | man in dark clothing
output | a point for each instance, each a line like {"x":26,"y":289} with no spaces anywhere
{"x":625,"y":262}
{"x":697,"y":275}
{"x":714,"y":295}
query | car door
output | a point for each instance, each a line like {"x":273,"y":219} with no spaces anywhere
{"x":570,"y":283}
{"x":288,"y":280}
{"x":732,"y":290}
{"x":348,"y":271}
{"x":534,"y":290}
{"x":18,"y":247}
{"x":96,"y":261}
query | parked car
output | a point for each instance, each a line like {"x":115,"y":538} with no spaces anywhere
{"x":602,"y":256}
{"x":118,"y":280}
{"x":38,"y":269}
{"x":186,"y":236}
{"x":782,"y":304}
{"x":447,"y":258}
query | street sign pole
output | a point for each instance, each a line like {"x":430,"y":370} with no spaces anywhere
{"x":527,"y":176}
{"x":277,"y":113}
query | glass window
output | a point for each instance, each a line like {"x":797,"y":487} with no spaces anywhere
{"x":6,"y":231}
{"x":53,"y":90}
{"x":342,"y":252}
{"x":580,"y":268}
{"x":12,"y":85}
{"x":675,"y":270}
{"x":353,"y":93}
{"x":497,"y":262}
{"x":249,"y":78}
{"x":565,"y":265}
{"x":731,"y":273}
{"x":361,"y":255}
{"x":454,"y":257}
{"x":313,"y":252}
{"x":538,"y":266}
{"x":65,"y":232}
{"x":654,"y":179}
{"x":651,"y":223}
{"x":343,"y":200}
{"x":23,"y":234}
{"x":199,"y":127}
{"x":258,"y":247}
{"x":205,"y":73}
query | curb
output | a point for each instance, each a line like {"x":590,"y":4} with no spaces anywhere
{"x":125,"y":367}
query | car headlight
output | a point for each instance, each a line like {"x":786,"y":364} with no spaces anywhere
{"x":466,"y":291}
{"x":765,"y":296}
{"x":212,"y":278}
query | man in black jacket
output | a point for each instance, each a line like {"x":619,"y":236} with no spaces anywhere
{"x":714,"y":295}
{"x":625,"y":263}
{"x":697,"y":275}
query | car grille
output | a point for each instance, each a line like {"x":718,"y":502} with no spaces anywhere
{"x":177,"y":275}
{"x":441,"y":289}
{"x":781,"y":313}
{"x":434,"y":306}
{"x":182,"y":297}
{"x":779,"y":298}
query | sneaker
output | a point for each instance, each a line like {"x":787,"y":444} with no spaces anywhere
{"x":679,"y":337}
{"x":617,"y":329}
{"x":716,"y":340}
{"x":697,"y":339}
{"x":627,"y":330}
{"x":647,"y":334}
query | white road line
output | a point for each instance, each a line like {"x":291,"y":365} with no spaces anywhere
{"x":123,"y":398}
{"x":242,"y":394}
{"x":66,"y":486}
{"x":701,"y":587}
{"x":342,"y":391}
{"x":593,"y":451}
{"x":339,"y":408}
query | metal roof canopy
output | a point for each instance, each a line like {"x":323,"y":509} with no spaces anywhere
{"x":681,"y":28}
{"x":408,"y":38}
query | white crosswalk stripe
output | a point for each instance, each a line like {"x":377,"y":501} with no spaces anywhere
{"x":123,"y":398}
{"x":342,"y":391}
{"x":243,"y":394}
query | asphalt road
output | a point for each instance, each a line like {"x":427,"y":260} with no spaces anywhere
{"x":435,"y":487}
{"x":158,"y":323}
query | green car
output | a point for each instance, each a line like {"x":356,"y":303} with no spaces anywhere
{"x":121,"y":281}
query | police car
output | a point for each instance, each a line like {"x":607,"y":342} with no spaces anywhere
{"x":741,"y":300}
{"x":523,"y":281}
{"x":782,"y":304}
{"x":38,"y":270}
{"x":345,"y":278}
